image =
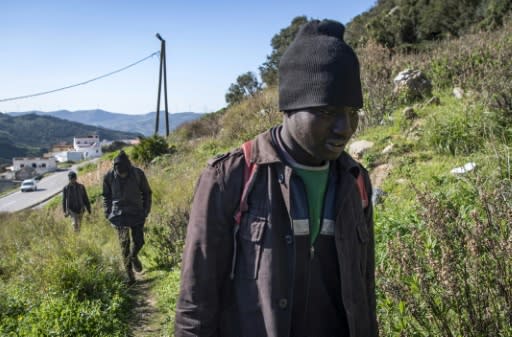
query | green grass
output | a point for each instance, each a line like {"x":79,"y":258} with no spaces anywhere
{"x":427,"y":229}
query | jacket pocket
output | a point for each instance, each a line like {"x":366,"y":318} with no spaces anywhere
{"x":363,"y":239}
{"x":250,"y":247}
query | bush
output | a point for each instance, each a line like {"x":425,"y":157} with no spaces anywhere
{"x":450,"y":273}
{"x":69,"y":316}
{"x":206,"y":126}
{"x":167,"y":237}
{"x":149,"y":148}
{"x":114,"y":146}
{"x":377,"y":68}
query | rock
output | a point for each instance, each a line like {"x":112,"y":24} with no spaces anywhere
{"x":358,"y":148}
{"x":434,"y":101}
{"x":388,"y":149}
{"x":468,"y":167}
{"x":413,"y":83}
{"x":409,"y":113}
{"x":378,"y":196}
{"x":458,"y":93}
{"x":379,"y":174}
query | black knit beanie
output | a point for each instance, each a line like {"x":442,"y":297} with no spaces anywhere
{"x":319,"y":69}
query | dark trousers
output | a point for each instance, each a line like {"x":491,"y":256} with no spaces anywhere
{"x":123,"y":233}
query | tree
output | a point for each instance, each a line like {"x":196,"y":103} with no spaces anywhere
{"x":246,"y":85}
{"x":279,"y":43}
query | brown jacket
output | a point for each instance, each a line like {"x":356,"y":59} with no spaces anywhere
{"x":238,"y":281}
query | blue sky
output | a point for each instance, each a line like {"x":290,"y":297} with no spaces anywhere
{"x":52,"y":44}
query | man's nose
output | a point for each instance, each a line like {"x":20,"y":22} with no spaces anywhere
{"x":341,"y":125}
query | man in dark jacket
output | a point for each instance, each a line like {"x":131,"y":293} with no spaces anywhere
{"x":127,"y":203}
{"x":301,"y":261}
{"x":75,"y":201}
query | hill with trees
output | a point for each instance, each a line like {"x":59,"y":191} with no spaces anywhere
{"x":33,"y":135}
{"x":395,"y":24}
{"x":135,"y":123}
{"x":403,"y":23}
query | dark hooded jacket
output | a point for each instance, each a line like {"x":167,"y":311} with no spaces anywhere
{"x":126,"y":201}
{"x":259,"y":279}
{"x":75,"y":199}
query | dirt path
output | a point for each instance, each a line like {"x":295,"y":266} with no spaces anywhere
{"x":147,"y":318}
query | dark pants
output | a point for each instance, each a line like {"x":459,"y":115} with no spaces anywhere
{"x":124,"y":240}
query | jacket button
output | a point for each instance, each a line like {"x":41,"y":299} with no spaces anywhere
{"x":280,"y":178}
{"x":289,"y":239}
{"x":283,"y":303}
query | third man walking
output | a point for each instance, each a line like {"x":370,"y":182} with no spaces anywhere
{"x":127,"y":203}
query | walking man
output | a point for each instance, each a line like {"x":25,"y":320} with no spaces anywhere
{"x":280,"y":236}
{"x":127,"y":203}
{"x":75,"y":201}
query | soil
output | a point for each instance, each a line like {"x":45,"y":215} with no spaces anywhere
{"x":147,"y":319}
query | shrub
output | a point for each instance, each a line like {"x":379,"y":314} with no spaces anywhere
{"x":206,"y":126}
{"x":450,"y":274}
{"x":377,"y":68}
{"x":69,"y":316}
{"x":167,"y":237}
{"x":114,"y":146}
{"x":149,"y":148}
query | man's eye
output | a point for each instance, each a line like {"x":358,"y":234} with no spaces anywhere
{"x":324,"y":112}
{"x":348,"y":111}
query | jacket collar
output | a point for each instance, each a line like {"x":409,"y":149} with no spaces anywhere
{"x":264,"y":152}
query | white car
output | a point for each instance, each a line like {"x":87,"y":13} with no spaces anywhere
{"x":28,"y":185}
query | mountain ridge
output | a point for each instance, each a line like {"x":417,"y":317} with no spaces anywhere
{"x":139,"y":123}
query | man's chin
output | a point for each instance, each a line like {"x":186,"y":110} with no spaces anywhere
{"x":333,"y":153}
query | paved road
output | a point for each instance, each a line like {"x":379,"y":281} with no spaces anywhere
{"x":47,"y":187}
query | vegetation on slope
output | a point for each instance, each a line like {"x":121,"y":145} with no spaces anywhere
{"x":443,"y":241}
{"x":404,"y":24}
{"x":34,"y":135}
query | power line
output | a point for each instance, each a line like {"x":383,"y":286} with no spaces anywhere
{"x":81,"y":83}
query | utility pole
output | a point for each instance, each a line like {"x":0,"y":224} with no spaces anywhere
{"x":162,"y":72}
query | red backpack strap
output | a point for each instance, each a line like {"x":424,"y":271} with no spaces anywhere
{"x":362,"y":190}
{"x":249,"y":170}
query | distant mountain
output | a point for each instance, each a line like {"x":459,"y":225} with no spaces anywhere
{"x":144,"y":124}
{"x":33,"y":135}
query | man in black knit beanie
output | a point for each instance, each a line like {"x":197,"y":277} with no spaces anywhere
{"x":280,"y":236}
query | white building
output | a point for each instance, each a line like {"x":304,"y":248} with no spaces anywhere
{"x":8,"y":175}
{"x":41,"y":165}
{"x":89,"y":146}
{"x":67,"y":156}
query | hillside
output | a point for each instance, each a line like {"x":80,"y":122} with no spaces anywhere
{"x":140,"y":123}
{"x":443,"y":238}
{"x":405,"y":24}
{"x":33,"y":135}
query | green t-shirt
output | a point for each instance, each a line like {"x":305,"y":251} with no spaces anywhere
{"x":315,"y":181}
